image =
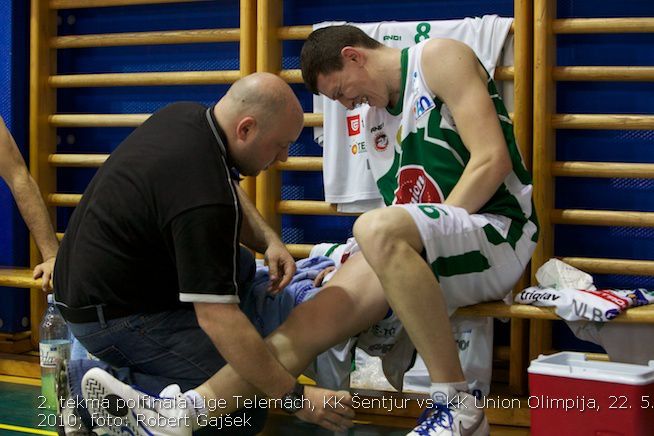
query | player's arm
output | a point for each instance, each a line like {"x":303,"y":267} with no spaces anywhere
{"x":30,"y":203}
{"x":258,"y":235}
{"x":454,"y":74}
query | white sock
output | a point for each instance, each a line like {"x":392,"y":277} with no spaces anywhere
{"x":442,"y":393}
{"x":199,"y":406}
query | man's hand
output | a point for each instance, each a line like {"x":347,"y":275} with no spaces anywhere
{"x":281,"y":267}
{"x":329,"y":409}
{"x":44,"y":271}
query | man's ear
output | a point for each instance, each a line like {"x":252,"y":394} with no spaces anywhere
{"x":351,"y":54}
{"x":246,"y":128}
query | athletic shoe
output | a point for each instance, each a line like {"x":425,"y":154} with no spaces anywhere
{"x":460,"y":417}
{"x":69,"y":421}
{"x":120,"y":409}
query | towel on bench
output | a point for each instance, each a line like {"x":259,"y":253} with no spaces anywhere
{"x":581,"y":304}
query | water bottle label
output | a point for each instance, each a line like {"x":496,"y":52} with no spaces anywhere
{"x":52,"y":353}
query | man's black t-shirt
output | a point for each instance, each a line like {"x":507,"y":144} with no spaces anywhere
{"x":159,"y":223}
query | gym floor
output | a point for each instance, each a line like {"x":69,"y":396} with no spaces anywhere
{"x":20,"y":414}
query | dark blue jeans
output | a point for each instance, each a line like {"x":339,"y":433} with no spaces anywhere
{"x":155,"y":350}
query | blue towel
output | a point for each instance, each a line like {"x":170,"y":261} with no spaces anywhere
{"x":267,"y":312}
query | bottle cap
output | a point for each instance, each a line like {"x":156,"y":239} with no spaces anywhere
{"x":50,"y":298}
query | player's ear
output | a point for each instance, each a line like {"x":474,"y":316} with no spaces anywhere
{"x":351,"y":54}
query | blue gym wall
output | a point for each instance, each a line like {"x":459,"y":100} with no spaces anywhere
{"x":14,"y":84}
{"x":572,"y":97}
{"x":605,"y":145}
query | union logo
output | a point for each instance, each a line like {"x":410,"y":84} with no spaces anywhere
{"x":414,"y":185}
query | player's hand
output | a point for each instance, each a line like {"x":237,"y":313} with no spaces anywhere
{"x":281,"y":266}
{"x":44,"y":271}
{"x":317,"y":282}
{"x":329,"y":409}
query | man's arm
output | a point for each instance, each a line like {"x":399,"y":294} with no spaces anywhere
{"x":202,"y":242}
{"x":257,"y":234}
{"x":243,"y":348}
{"x":455,"y":75}
{"x":30,"y":203}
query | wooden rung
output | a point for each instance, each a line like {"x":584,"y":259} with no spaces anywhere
{"x":308,"y":207}
{"x":295,"y":76}
{"x":97,"y":120}
{"x":144,"y":79}
{"x":77,"y":160}
{"x":602,"y":218}
{"x":15,"y":336}
{"x":622,"y":74}
{"x":64,"y":200}
{"x":135,"y":120}
{"x":302,"y":32}
{"x":294,"y":32}
{"x":497,"y":309}
{"x":18,"y":278}
{"x":20,"y":365}
{"x":146,"y":38}
{"x":603,"y":25}
{"x":612,"y":266}
{"x":301,"y":163}
{"x":504,"y":73}
{"x":16,"y":347}
{"x":603,"y":169}
{"x":313,"y":120}
{"x":603,"y":121}
{"x":291,"y":76}
{"x":299,"y":251}
{"x":74,"y":4}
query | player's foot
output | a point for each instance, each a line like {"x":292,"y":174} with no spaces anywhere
{"x":460,"y":416}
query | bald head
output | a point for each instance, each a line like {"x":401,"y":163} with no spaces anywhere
{"x":263,"y":96}
{"x":259,"y":112}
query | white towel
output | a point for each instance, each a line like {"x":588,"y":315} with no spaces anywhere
{"x":591,"y":305}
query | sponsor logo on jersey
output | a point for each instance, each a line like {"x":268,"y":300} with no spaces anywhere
{"x":358,"y":147}
{"x":423,"y":105}
{"x":607,"y":295}
{"x":392,"y":38}
{"x":416,"y":186}
{"x":353,"y":125}
{"x":377,"y":128}
{"x":381,"y":141}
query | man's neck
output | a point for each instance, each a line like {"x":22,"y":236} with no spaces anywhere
{"x":391,"y":71}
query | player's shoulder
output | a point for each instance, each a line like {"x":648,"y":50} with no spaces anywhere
{"x":444,"y":48}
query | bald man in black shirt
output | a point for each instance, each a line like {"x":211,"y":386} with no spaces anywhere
{"x":150,"y":272}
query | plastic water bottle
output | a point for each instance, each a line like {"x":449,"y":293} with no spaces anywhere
{"x":53,"y":348}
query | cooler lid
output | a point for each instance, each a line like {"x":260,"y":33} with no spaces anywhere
{"x":575,"y":365}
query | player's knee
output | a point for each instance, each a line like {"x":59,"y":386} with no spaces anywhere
{"x":381,"y":233}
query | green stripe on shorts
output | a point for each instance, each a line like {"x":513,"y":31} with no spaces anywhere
{"x":470,"y":262}
{"x":493,"y":236}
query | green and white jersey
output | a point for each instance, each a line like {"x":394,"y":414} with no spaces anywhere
{"x":417,"y":155}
